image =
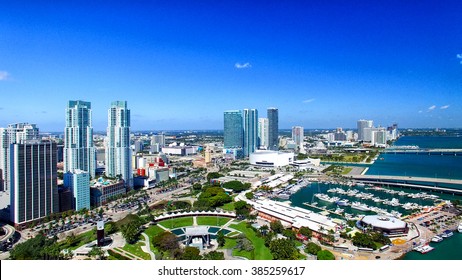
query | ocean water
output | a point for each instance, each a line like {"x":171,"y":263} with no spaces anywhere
{"x":432,"y":166}
{"x":449,"y":249}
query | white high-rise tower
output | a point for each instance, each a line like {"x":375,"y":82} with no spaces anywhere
{"x":79,"y":151}
{"x":118,"y":152}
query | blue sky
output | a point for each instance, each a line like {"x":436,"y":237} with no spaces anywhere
{"x":180,"y":64}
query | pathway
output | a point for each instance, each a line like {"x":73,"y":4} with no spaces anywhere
{"x":164,"y":228}
{"x":194,"y":221}
{"x":147,"y":247}
{"x":126,"y":254}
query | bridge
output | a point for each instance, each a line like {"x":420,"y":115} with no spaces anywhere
{"x":438,"y":152}
{"x":450,"y":186}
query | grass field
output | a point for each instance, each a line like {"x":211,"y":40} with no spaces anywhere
{"x":177,"y":222}
{"x":153,"y":231}
{"x":346,"y":170}
{"x":228,"y":206}
{"x":260,"y":250}
{"x":136,"y":250}
{"x":212,"y":221}
{"x":80,"y":240}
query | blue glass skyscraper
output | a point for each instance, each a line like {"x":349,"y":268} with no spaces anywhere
{"x":233,"y":130}
{"x":250,"y":131}
{"x":273,"y":129}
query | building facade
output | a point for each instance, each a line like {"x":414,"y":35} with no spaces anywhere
{"x":233,"y":131}
{"x":14,"y":133}
{"x":79,"y":151}
{"x":79,"y":182}
{"x":263,"y":133}
{"x":362,"y":125}
{"x":298,"y":136}
{"x":34,"y":190}
{"x":250,"y":117}
{"x":118,"y":152}
{"x":273,"y":129}
{"x":101,"y":192}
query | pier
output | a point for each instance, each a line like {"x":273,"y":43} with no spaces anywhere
{"x":429,"y":184}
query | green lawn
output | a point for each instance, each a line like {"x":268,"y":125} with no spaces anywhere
{"x":177,"y":222}
{"x":228,"y":206}
{"x":212,"y":221}
{"x":153,"y":231}
{"x":260,"y":251}
{"x":346,"y":170}
{"x":136,"y":250}
{"x":80,"y":240}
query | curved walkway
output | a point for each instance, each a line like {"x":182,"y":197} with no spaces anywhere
{"x":147,"y":247}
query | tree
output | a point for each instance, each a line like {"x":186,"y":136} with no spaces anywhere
{"x":214,"y":255}
{"x":221,"y":238}
{"x":308,"y":233}
{"x":289,"y":234}
{"x":325,"y":255}
{"x":242,"y":208}
{"x":236,"y":186}
{"x":264,"y":229}
{"x":190,"y":253}
{"x":244,"y":244}
{"x":312,"y":248}
{"x":213,"y":175}
{"x":110,"y":228}
{"x":96,"y":252}
{"x":249,"y":195}
{"x":283,"y":249}
{"x":197,"y":187}
{"x":166,"y":241}
{"x":276,"y":226}
{"x":130,"y":232}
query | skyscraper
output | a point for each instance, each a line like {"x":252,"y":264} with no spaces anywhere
{"x":250,"y":117}
{"x":34,"y":191}
{"x":79,"y":151}
{"x":14,"y":133}
{"x":362,"y":125}
{"x":233,"y":130}
{"x":79,"y":182}
{"x":118,"y":152}
{"x":263,"y":132}
{"x":273,"y":129}
{"x":297,"y":136}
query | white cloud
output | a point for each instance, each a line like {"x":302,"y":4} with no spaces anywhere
{"x":242,"y":65}
{"x":444,"y":107}
{"x":459,"y":56}
{"x":308,"y":100}
{"x":431,"y":108}
{"x":420,"y":111}
{"x":4,"y":75}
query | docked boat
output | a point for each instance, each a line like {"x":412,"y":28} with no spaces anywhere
{"x":447,"y":233}
{"x":325,"y":197}
{"x":342,"y":202}
{"x":284,"y":196}
{"x":423,"y":249}
{"x":459,"y":228}
{"x":360,"y":206}
{"x":437,"y":238}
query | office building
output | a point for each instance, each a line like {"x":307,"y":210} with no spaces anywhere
{"x":79,"y":151}
{"x":79,"y":182}
{"x":263,"y":133}
{"x":273,"y":129}
{"x":14,"y":133}
{"x":362,"y":134}
{"x":34,"y":190}
{"x":250,"y":117}
{"x":157,"y":143}
{"x":233,"y":132}
{"x":298,"y":136}
{"x":118,"y":152}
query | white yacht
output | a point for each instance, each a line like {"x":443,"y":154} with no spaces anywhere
{"x":459,"y":228}
{"x":437,"y":238}
{"x":360,"y":206}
